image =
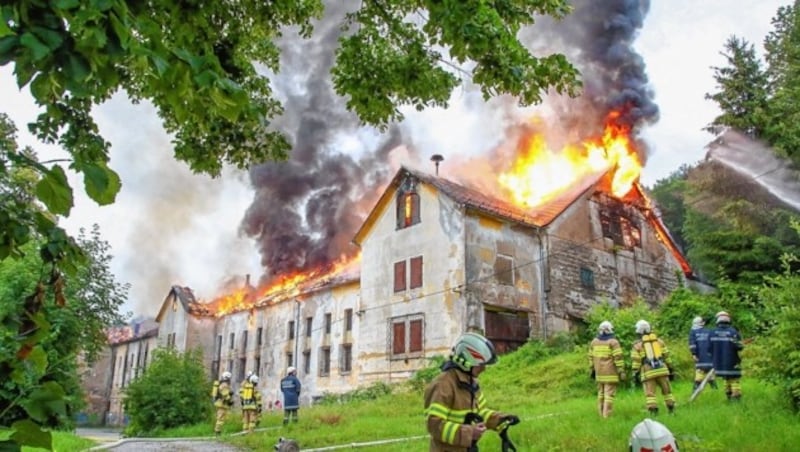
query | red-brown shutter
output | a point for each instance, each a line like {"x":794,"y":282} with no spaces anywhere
{"x":415,"y":336}
{"x":400,"y":276}
{"x":416,"y":272}
{"x":398,"y":338}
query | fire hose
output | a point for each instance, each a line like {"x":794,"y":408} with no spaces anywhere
{"x":507,"y":445}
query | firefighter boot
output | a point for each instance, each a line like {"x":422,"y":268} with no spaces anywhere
{"x":671,"y":409}
{"x":653,"y":410}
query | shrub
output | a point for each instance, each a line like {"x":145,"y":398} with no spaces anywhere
{"x":370,"y":392}
{"x":422,"y":377}
{"x":173,"y":392}
{"x":623,"y":319}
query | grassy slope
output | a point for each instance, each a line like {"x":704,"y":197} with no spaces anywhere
{"x":555,"y":399}
{"x":65,"y":442}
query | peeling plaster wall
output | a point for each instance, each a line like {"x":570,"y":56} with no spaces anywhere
{"x":176,"y":320}
{"x":439,"y":238}
{"x":486,"y":238}
{"x":124,"y":372}
{"x":621,"y":276}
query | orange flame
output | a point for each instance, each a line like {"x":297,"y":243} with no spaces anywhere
{"x":540,"y":174}
{"x":285,"y":286}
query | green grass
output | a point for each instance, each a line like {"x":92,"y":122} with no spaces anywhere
{"x":556,"y":401}
{"x":65,"y":442}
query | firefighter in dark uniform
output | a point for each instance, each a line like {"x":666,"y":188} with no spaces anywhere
{"x":725,"y":346}
{"x":457,"y":413}
{"x":700,"y":348}
{"x":651,"y":364}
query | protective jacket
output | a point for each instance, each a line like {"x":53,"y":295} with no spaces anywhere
{"x":700,"y":347}
{"x":725,"y":346}
{"x":222,"y":394}
{"x":449,"y":398}
{"x":250,"y":396}
{"x":605,"y":357}
{"x":290,"y":387}
{"x":650,"y":367}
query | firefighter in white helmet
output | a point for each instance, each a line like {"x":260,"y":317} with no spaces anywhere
{"x":606,"y":366}
{"x":726,"y":343}
{"x":222,"y":396}
{"x":651,"y":364}
{"x":250,"y":396}
{"x":652,"y":436}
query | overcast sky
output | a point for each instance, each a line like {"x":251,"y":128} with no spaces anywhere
{"x":169,"y":226}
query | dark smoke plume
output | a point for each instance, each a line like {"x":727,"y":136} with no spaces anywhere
{"x":307,"y":209}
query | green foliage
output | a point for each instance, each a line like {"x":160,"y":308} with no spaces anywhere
{"x":371,"y":392}
{"x":422,"y":377}
{"x":173,"y":392}
{"x":676,"y":313}
{"x":624,"y":321}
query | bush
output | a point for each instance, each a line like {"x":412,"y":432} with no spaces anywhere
{"x":371,"y":392}
{"x":422,"y":377}
{"x":173,"y":392}
{"x":623,"y":319}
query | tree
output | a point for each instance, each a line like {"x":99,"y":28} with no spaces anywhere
{"x":669,"y":194}
{"x":202,"y":66}
{"x":173,"y":392}
{"x":783,"y":59}
{"x":742,"y":90}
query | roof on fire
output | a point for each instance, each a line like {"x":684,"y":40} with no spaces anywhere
{"x":474,"y":199}
{"x":175,"y":294}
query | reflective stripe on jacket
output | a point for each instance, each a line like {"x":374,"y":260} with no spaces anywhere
{"x":448,"y":399}
{"x":725,"y":346}
{"x":639,"y":363}
{"x":605,"y":356}
{"x":290,"y":387}
{"x":250,"y":396}
{"x":224,"y":396}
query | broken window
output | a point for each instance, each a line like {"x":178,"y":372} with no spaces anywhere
{"x":407,"y":336}
{"x":587,"y":278}
{"x":504,"y":270}
{"x":407,"y":203}
{"x":619,"y":223}
{"x":325,"y":362}
{"x":346,"y":359}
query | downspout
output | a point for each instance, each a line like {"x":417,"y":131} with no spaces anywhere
{"x":297,"y":334}
{"x":544,"y":278}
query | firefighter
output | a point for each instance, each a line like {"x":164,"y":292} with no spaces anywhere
{"x":457,"y":413}
{"x":652,"y":366}
{"x":607,"y":366}
{"x":725,"y":346}
{"x":290,"y":387}
{"x":700,"y":347}
{"x":250,"y":397}
{"x":222,"y":396}
{"x":649,"y":435}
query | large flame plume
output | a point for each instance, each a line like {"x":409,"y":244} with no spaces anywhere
{"x":541,"y":174}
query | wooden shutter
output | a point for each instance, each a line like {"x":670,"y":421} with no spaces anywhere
{"x":415,"y":336}
{"x":398,"y":338}
{"x":416,"y":272}
{"x":400,"y":276}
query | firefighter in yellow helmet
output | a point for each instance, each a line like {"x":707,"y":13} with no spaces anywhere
{"x":456,"y":411}
{"x":651,"y":364}
{"x":222,"y":396}
{"x":250,"y":397}
{"x":607,"y":366}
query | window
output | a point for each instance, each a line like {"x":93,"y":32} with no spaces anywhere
{"x":291,"y":330}
{"x":587,"y":278}
{"x":504,"y":270}
{"x":618,"y":224}
{"x":415,"y":274}
{"x":407,"y":336}
{"x":244,"y":342}
{"x":289,"y":359}
{"x":325,"y":362}
{"x":144,"y":363}
{"x":348,"y":320}
{"x":346,"y":359}
{"x":399,"y":276}
{"x":328,"y":323}
{"x":257,"y":365}
{"x":215,"y":370}
{"x":242,"y":365}
{"x":259,"y":337}
{"x":407,"y":203}
{"x":233,"y":341}
{"x":124,"y":370}
{"x":309,"y":323}
{"x":307,"y":362}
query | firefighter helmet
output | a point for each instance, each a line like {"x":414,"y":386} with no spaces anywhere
{"x":226,"y":376}
{"x":650,"y":435}
{"x":698,"y":322}
{"x":605,"y":327}
{"x":723,"y":317}
{"x":290,"y":370}
{"x":254,"y":379}
{"x":643,"y":327}
{"x":472,"y":349}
